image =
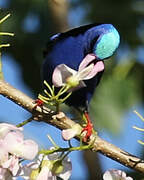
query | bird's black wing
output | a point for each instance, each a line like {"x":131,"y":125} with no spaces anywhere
{"x":71,"y":32}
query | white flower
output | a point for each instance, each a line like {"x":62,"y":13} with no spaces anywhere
{"x":68,"y":134}
{"x":26,"y":149}
{"x":12,"y":147}
{"x":115,"y":175}
{"x":47,"y":168}
{"x":6,"y":175}
{"x":12,"y":164}
{"x":5,"y":128}
{"x":63,"y":74}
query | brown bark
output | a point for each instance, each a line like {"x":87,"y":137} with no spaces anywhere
{"x":59,"y":11}
{"x":61,"y":121}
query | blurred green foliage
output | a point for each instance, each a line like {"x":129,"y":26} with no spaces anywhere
{"x":27,"y":47}
{"x":113,"y":97}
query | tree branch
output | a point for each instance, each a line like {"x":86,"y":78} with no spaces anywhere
{"x":61,"y":121}
{"x":59,"y":11}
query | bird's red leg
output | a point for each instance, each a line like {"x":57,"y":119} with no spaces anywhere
{"x":38,"y":102}
{"x":89,"y":127}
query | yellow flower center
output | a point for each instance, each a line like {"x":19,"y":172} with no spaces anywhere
{"x":72,"y":81}
{"x":34,"y":174}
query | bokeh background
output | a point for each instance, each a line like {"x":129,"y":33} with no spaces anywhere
{"x":120,"y":92}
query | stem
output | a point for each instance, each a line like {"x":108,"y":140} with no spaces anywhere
{"x":57,"y":107}
{"x":52,"y":141}
{"x":1,"y":73}
{"x":50,"y":89}
{"x":4,"y":45}
{"x":60,"y":91}
{"x":139,"y":115}
{"x":137,"y":128}
{"x":65,"y":155}
{"x":45,"y":91}
{"x":61,"y":121}
{"x":6,"y":34}
{"x":69,"y":143}
{"x":67,"y":96}
{"x":141,"y":142}
{"x":43,"y":98}
{"x":67,"y":87}
{"x":25,"y":122}
{"x":3,"y":19}
{"x":79,"y":148}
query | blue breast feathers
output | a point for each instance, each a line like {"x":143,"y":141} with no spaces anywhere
{"x":107,"y":43}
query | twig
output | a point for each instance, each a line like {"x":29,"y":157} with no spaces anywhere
{"x":59,"y":10}
{"x":1,"y":73}
{"x":4,"y":18}
{"x":24,"y":122}
{"x":61,"y":121}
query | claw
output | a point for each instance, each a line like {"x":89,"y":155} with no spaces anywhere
{"x":38,"y":103}
{"x":88,"y":128}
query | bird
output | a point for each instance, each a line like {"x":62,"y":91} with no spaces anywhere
{"x":70,"y":48}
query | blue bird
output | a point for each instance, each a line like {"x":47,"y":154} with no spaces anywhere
{"x":71,"y":47}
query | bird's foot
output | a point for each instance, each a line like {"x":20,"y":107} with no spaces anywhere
{"x":39,"y":103}
{"x":88,"y":128}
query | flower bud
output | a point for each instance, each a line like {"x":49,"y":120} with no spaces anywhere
{"x":47,"y":163}
{"x":34,"y":174}
{"x":57,"y":167}
{"x":68,"y":134}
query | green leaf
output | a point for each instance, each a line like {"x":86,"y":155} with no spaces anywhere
{"x":111,"y":100}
